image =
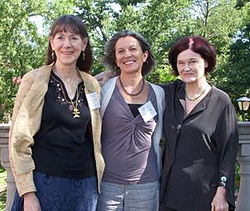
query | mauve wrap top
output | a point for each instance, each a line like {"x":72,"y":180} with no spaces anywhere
{"x":127,"y":143}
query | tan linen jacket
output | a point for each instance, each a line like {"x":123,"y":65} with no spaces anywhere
{"x":26,"y":123}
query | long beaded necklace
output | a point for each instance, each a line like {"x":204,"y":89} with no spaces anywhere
{"x":196,"y":98}
{"x":73,"y":106}
{"x":130,"y":94}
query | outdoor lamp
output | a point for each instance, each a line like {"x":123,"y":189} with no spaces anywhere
{"x":243,"y":104}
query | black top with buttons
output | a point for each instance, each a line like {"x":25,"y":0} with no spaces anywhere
{"x":200,"y":151}
{"x":63,"y":145}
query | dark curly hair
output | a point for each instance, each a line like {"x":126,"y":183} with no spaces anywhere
{"x":110,"y":60}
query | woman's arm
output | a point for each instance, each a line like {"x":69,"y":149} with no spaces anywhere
{"x":227,"y":142}
{"x":219,"y":202}
{"x":104,"y":76}
{"x":31,"y":202}
{"x":20,"y":143}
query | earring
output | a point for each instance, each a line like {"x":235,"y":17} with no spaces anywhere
{"x":83,"y":55}
{"x":53,"y":55}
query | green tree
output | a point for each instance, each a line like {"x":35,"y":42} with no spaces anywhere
{"x":22,"y":47}
{"x":140,"y":16}
{"x":162,"y":22}
{"x":218,"y":21}
{"x":235,"y":72}
{"x":103,"y":20}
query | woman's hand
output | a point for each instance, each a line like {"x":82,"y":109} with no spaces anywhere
{"x":103,"y":77}
{"x":17,"y":80}
{"x":219,"y":202}
{"x":31,"y":202}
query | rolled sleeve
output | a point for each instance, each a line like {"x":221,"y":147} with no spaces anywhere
{"x":25,"y":183}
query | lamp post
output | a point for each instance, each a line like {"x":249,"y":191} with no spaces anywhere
{"x":243,"y":104}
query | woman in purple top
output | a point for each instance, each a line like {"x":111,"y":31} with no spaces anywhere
{"x":200,"y":127}
{"x":132,"y":111}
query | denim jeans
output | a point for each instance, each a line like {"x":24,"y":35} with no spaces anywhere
{"x":62,"y":194}
{"x":132,"y":197}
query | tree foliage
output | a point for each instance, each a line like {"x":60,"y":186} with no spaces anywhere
{"x":226,"y":23}
{"x":235,"y":73}
{"x":22,"y":47}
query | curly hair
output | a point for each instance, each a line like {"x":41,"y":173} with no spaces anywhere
{"x":110,"y":60}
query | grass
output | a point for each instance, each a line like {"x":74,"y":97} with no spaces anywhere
{"x":2,"y":177}
{"x":237,"y":177}
{"x":2,"y":184}
{"x":2,"y":200}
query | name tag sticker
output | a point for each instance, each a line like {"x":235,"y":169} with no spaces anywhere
{"x":147,"y":111}
{"x":93,"y":101}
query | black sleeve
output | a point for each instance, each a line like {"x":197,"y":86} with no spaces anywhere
{"x":227,"y":140}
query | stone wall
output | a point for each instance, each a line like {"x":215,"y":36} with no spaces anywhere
{"x":242,"y":204}
{"x":11,"y":188}
{"x":243,"y":200}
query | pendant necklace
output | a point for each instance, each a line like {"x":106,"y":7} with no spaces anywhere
{"x":130,"y":94}
{"x":73,"y":106}
{"x":196,"y":98}
{"x":75,"y":110}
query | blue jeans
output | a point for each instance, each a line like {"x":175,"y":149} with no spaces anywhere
{"x":62,"y":194}
{"x":132,"y":197}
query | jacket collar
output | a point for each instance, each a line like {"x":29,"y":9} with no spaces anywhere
{"x":43,"y":79}
{"x":89,"y":85}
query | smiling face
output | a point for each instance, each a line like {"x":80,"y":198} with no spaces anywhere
{"x":129,"y":55}
{"x":191,"y":66}
{"x":67,"y":46}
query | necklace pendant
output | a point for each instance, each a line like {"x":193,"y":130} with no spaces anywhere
{"x":76,"y":113}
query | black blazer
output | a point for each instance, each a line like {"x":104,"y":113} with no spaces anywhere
{"x":200,"y":150}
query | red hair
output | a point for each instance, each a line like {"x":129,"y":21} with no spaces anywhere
{"x":197,"y":44}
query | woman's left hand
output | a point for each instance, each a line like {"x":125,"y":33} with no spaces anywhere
{"x":219,"y":202}
{"x":17,"y":80}
{"x":104,"y":76}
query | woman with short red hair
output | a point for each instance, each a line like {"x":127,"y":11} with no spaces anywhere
{"x":200,"y":127}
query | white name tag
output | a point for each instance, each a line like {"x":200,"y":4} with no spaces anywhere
{"x":93,"y":101}
{"x":147,"y":111}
